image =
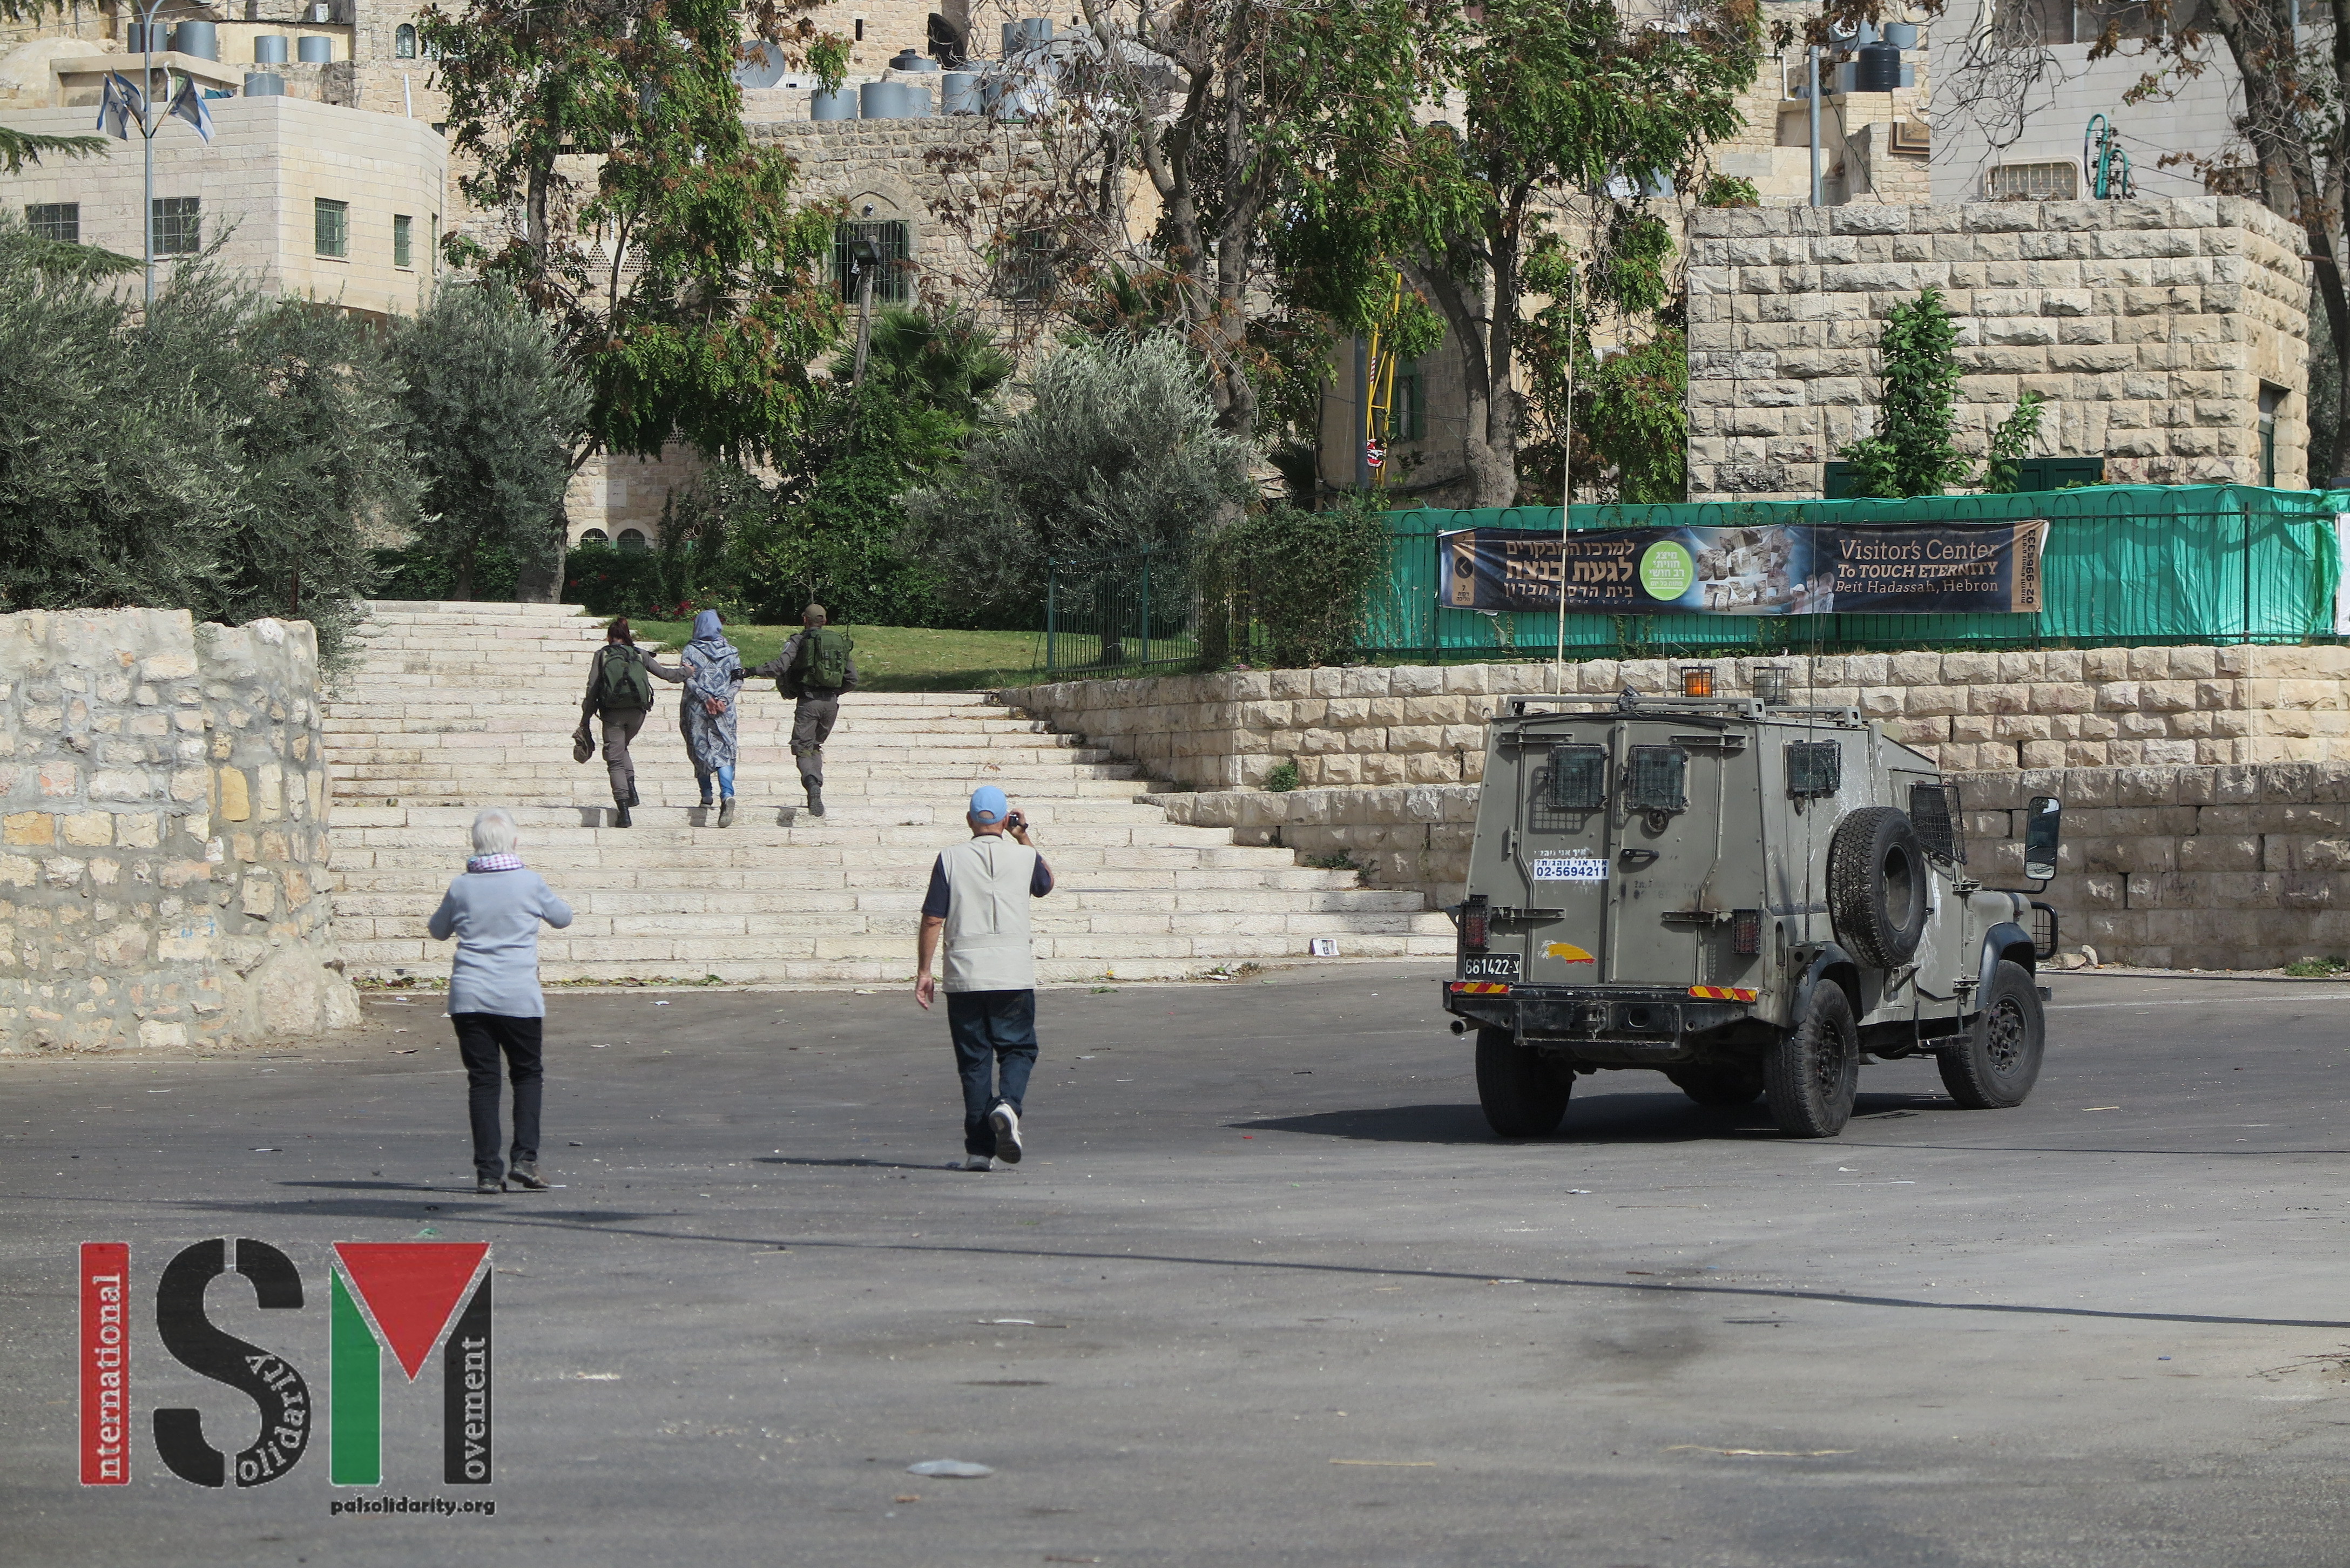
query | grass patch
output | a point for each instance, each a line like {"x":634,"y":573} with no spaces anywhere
{"x":2316,"y":968}
{"x":892,"y":658}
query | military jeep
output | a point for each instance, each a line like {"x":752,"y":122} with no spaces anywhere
{"x":1751,"y":898}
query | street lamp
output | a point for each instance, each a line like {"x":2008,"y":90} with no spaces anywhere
{"x":864,"y":258}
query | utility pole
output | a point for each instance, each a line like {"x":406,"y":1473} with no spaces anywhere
{"x":1566,"y":485}
{"x":1812,"y":103}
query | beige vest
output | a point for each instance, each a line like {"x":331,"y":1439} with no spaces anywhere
{"x":987,"y":915}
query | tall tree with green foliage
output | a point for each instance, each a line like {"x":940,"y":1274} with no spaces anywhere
{"x":1572,"y":97}
{"x":684,"y":285}
{"x":492,"y":409}
{"x":1118,"y":449}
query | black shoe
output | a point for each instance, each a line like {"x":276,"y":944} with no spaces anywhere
{"x":488,"y":1185}
{"x":726,"y":813}
{"x":525,"y":1176}
{"x":621,"y":818}
{"x":816,"y":800}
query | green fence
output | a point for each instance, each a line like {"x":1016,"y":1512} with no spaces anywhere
{"x":2124,"y":563}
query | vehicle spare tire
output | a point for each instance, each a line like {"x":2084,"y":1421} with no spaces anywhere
{"x":1876,"y":886}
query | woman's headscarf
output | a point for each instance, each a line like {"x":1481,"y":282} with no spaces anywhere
{"x":709,"y":658}
{"x":706,"y":629}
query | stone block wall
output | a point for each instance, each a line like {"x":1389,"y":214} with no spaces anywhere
{"x":162,"y":833}
{"x":1971,"y":712}
{"x":2150,"y":328}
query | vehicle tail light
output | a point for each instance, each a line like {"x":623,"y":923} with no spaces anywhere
{"x":1746,"y":932}
{"x":1476,"y":923}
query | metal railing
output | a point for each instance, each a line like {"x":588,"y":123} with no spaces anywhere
{"x":1126,"y":613}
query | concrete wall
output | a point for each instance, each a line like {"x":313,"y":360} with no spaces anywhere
{"x":269,"y":161}
{"x":2196,"y":114}
{"x":162,"y":833}
{"x":2150,"y":328}
{"x":1971,"y":712}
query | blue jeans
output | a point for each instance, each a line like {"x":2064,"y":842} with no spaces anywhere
{"x":995,"y":1048}
{"x":726,"y":782}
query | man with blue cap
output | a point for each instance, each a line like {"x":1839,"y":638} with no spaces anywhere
{"x":978,"y":902}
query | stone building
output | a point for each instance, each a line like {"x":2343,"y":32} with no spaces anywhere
{"x":2170,"y":337}
{"x":309,"y":199}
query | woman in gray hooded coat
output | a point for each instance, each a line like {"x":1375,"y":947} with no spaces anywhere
{"x":706,"y":712}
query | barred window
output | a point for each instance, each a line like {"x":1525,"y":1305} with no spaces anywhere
{"x":2032,"y":182}
{"x":404,"y":42}
{"x":331,"y":225}
{"x":1578,"y":777}
{"x":1656,"y":775}
{"x":1814,"y":768}
{"x":178,"y":226}
{"x":402,"y":249}
{"x":893,"y":282}
{"x":55,"y":221}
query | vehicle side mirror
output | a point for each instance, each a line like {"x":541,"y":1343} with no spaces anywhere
{"x":2043,"y":829}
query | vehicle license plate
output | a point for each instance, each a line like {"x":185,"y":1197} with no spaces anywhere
{"x":1489,"y":966}
{"x":1570,"y":869}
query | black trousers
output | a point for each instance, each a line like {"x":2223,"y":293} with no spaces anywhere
{"x":481,"y":1036}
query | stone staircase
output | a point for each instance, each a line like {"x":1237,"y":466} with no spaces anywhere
{"x":452,"y":707}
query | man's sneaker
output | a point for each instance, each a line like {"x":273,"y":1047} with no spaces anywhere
{"x":726,"y":813}
{"x":488,"y":1185}
{"x":525,"y":1176}
{"x":1006,"y":1123}
{"x":977,"y":1162}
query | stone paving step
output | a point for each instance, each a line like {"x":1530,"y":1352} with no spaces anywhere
{"x":450,"y":707}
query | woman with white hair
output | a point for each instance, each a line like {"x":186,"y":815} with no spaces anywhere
{"x":494,"y":911}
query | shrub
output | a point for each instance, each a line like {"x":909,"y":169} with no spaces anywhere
{"x":1283,"y":778}
{"x":1304,"y":579}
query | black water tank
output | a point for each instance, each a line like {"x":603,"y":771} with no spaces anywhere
{"x":1879,"y":69}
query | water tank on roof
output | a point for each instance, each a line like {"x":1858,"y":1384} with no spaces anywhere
{"x":840,"y":105}
{"x":269,"y":49}
{"x":264,"y":84}
{"x":314,"y":49}
{"x":959,"y":93}
{"x":880,"y":100}
{"x":201,"y":39}
{"x":141,"y":38}
{"x":1880,"y":68}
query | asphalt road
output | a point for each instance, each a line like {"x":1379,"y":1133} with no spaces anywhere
{"x":1264,"y":1293}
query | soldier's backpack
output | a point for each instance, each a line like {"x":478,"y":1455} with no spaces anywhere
{"x":621,"y":682}
{"x":822,"y":660}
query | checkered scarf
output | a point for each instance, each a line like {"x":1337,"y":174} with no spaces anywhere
{"x":495,"y":863}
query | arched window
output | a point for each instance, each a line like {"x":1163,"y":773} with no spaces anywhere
{"x":404,"y":42}
{"x":632,"y":541}
{"x":595,"y":536}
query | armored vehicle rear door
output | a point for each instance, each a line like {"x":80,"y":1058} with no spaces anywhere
{"x":1567,"y":841}
{"x":1687,"y":851}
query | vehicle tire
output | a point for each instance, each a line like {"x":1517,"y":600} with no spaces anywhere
{"x":1813,"y":1072}
{"x":1723,"y":1084}
{"x":1523,"y":1095}
{"x":1876,"y":886}
{"x":2000,"y":1061}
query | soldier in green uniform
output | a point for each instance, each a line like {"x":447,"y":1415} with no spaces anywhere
{"x":816,"y":666}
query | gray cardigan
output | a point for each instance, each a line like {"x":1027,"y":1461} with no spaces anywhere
{"x":495,"y":917}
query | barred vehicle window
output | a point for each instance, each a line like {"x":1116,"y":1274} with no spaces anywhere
{"x":1656,"y":779}
{"x":1814,"y":768}
{"x":1578,"y":777}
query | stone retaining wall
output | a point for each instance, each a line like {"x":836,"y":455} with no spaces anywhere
{"x":2115,"y":707}
{"x":162,"y":833}
{"x":2243,"y":866}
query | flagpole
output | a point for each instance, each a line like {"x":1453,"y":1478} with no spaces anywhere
{"x":147,"y":139}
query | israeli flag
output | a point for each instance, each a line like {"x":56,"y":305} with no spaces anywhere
{"x":189,"y":104}
{"x":118,"y":104}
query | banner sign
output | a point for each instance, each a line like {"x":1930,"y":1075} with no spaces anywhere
{"x":1797,"y":568}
